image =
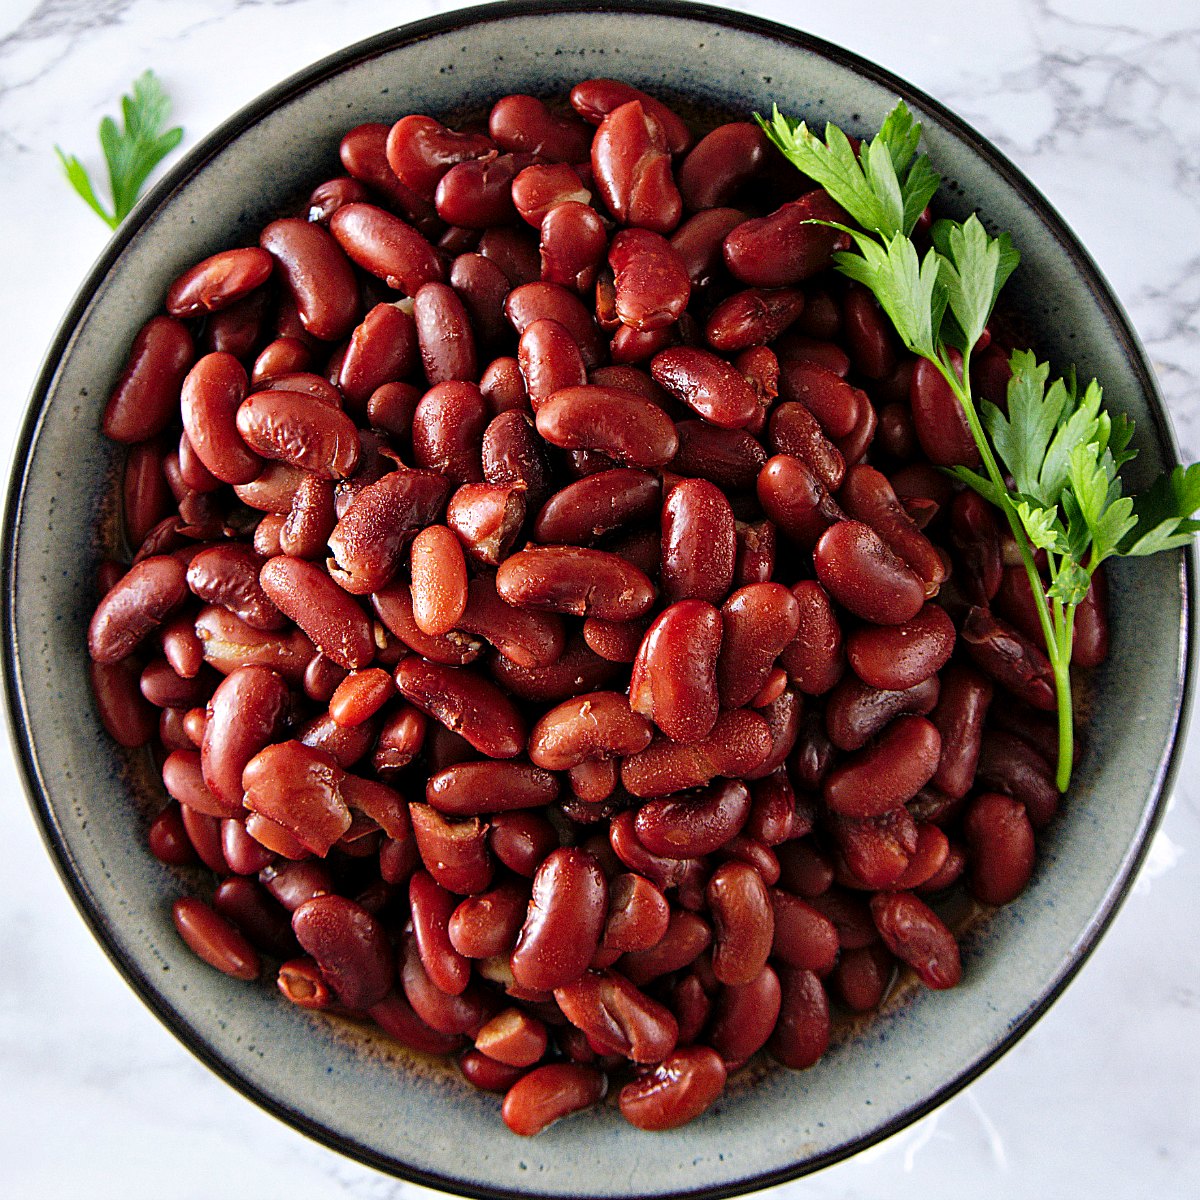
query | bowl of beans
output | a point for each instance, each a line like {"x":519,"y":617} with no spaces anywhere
{"x":493,"y":650}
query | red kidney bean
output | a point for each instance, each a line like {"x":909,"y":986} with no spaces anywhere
{"x":382,"y":349}
{"x":695,"y":826}
{"x":739,"y":742}
{"x":596,"y":725}
{"x":576,"y":580}
{"x":698,"y":242}
{"x":145,"y":493}
{"x":212,"y":938}
{"x":524,"y":123}
{"x":975,"y":539}
{"x":421,"y":150}
{"x":862,"y":977}
{"x":867,"y":496}
{"x":794,"y":431}
{"x":867,"y":333}
{"x":525,"y":637}
{"x":550,"y":360}
{"x":674,"y":680}
{"x":478,"y":192}
{"x":698,"y":543}
{"x":542,"y":187}
{"x":369,"y":540}
{"x":204,"y":833}
{"x":514,"y":252}
{"x":616,"y":641}
{"x":290,"y":428}
{"x":681,"y":1087}
{"x":431,"y":907}
{"x":597,"y":504}
{"x":613,"y":421}
{"x":962,"y":707}
{"x":617,"y":1017}
{"x":245,"y":713}
{"x":134,"y":607}
{"x":386,"y":247}
{"x":465,"y":702}
{"x":888,"y":773}
{"x":752,"y":318}
{"x":143,"y":402}
{"x":549,"y":1093}
{"x":326,"y":198}
{"x":814,"y":659}
{"x":896,"y":657}
{"x":1000,"y":840}
{"x":472,"y":788}
{"x":445,"y":1013}
{"x":227,"y":575}
{"x":914,"y":933}
{"x":795,"y":500}
{"x":1007,"y":765}
{"x":803,"y":937}
{"x":300,"y":981}
{"x":687,"y":936}
{"x":651,"y":280}
{"x":856,"y":712}
{"x":184,"y":782}
{"x":306,"y":529}
{"x":513,"y":1037}
{"x":244,"y":855}
{"x":218,"y":281}
{"x":717,"y":391}
{"x":744,"y":1017}
{"x":350,"y":946}
{"x":862,"y":573}
{"x":444,"y":334}
{"x":572,"y":242}
{"x":876,"y":851}
{"x":536,"y":301}
{"x":317,"y":274}
{"x":759,"y":622}
{"x":755,"y":553}
{"x":1009,"y":658}
{"x":565,"y":921}
{"x":938,"y":418}
{"x":638,"y":916}
{"x":487,"y":925}
{"x":729,"y":458}
{"x":744,"y":922}
{"x":821,"y":389}
{"x":802,"y":1034}
{"x":521,"y":840}
{"x":447,"y":430}
{"x":631,"y":162}
{"x":168,"y":840}
{"x":298,"y":788}
{"x":804,"y":870}
{"x":229,"y":643}
{"x":594,"y":99}
{"x":782,"y":248}
{"x":439,"y":580}
{"x":360,"y":695}
{"x":306,"y":594}
{"x":482,"y":287}
{"x":485,"y":1073}
{"x":455,"y":853}
{"x":927,"y":859}
{"x":721,"y":164}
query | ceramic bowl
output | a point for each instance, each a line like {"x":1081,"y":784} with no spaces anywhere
{"x":415,"y":1119}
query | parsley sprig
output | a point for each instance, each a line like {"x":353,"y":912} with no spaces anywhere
{"x":1061,"y":450}
{"x":131,"y":152}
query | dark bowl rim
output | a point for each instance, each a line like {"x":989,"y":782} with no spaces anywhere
{"x":179,"y":175}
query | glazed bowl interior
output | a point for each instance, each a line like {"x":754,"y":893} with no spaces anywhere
{"x":414,"y":1118}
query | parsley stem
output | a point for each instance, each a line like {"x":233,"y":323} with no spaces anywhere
{"x":1057,"y":649}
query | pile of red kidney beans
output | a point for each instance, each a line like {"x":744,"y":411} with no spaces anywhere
{"x":555,"y":632}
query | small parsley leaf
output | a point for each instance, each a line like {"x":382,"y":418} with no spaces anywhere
{"x":131,"y":152}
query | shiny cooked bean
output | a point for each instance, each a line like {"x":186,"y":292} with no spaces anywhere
{"x":544,"y":592}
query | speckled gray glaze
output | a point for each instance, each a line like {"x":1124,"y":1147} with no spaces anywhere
{"x":411,"y":1119}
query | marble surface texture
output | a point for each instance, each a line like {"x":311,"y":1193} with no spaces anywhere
{"x":1098,"y":101}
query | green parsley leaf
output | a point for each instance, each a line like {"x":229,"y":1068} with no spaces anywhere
{"x":974,"y":268}
{"x":130,"y":153}
{"x":1021,"y":437}
{"x":877,"y":186}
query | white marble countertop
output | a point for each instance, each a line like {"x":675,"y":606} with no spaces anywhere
{"x":1098,"y":101}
